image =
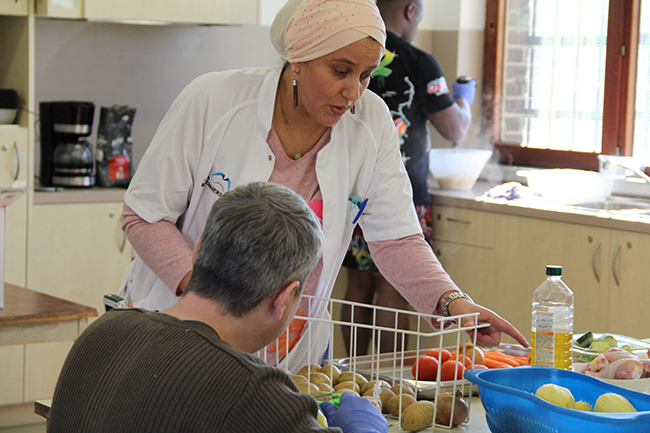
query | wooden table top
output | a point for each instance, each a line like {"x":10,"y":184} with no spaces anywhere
{"x":23,"y":305}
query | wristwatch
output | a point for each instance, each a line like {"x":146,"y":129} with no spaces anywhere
{"x":444,"y":302}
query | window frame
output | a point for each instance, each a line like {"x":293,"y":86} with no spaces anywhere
{"x":618,"y":109}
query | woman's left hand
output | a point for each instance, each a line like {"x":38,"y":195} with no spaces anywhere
{"x":491,"y":335}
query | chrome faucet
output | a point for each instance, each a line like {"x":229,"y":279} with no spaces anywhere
{"x":607,"y":163}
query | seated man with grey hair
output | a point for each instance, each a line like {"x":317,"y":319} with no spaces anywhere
{"x":189,"y":368}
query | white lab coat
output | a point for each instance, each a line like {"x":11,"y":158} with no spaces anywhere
{"x":219,"y":124}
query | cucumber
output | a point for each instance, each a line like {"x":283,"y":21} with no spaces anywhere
{"x":585,"y":340}
{"x":611,"y":340}
{"x":600,"y":345}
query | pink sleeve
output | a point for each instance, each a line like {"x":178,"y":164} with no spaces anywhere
{"x":161,"y":246}
{"x":410,"y":266}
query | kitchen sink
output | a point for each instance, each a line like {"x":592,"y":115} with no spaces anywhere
{"x":613,"y":204}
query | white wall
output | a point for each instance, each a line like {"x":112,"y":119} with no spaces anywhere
{"x":142,"y":66}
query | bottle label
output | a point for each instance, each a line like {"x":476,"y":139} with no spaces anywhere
{"x":544,"y":339}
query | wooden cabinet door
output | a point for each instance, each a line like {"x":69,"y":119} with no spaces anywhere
{"x":470,"y":267}
{"x":13,"y":166}
{"x":11,"y":374}
{"x":523,"y":248}
{"x":14,"y":7}
{"x":629,"y":285}
{"x":77,"y":251}
{"x":189,"y":11}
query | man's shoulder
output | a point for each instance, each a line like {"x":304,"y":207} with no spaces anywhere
{"x":404,"y":48}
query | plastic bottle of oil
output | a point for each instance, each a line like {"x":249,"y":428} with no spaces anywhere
{"x":552,"y":322}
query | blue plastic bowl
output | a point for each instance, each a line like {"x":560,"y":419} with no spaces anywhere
{"x":508,"y":396}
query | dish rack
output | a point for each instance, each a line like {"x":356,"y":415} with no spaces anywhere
{"x":511,"y":406}
{"x":320,"y":335}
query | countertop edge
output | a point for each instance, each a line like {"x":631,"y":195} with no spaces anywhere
{"x":468,"y":200}
{"x":91,"y":195}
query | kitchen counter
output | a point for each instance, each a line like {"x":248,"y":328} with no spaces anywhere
{"x":31,"y":317}
{"x":473,"y":199}
{"x":80,"y":195}
{"x":476,"y":424}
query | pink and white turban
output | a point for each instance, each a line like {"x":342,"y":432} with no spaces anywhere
{"x":305,"y":30}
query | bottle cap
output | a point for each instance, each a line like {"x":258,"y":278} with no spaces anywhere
{"x":553,"y":270}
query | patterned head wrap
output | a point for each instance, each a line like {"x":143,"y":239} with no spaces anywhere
{"x":305,"y":30}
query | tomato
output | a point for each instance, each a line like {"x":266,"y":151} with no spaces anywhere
{"x":441,"y":355}
{"x":480,"y":367}
{"x":451,"y":369}
{"x":427,"y":368}
{"x":466,"y":361}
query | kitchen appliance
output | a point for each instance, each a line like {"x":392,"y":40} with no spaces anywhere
{"x":66,"y":158}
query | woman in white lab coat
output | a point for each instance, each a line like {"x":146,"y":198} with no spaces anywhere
{"x":308,"y":125}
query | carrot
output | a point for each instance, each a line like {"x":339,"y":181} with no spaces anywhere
{"x":501,"y":357}
{"x":522,"y":360}
{"x":492,"y":363}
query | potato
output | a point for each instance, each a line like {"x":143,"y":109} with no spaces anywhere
{"x":403,"y":389}
{"x":356,"y":377}
{"x":317,"y":378}
{"x":298,"y":379}
{"x":309,"y":388}
{"x":392,"y":405}
{"x":331,"y":371}
{"x":347,"y":385}
{"x":325,"y":388}
{"x":372,"y":383}
{"x":310,"y":368}
{"x":351,"y":391}
{"x":384,"y":396}
{"x":375,"y":402}
{"x":417,"y":416}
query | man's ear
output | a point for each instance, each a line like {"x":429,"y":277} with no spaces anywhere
{"x":409,"y":11}
{"x":195,"y":250}
{"x":284,"y":296}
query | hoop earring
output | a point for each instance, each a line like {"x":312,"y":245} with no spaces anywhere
{"x":353,"y":109}
{"x":295,"y":90}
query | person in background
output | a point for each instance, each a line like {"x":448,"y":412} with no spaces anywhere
{"x":307,"y":124}
{"x":189,"y":368}
{"x":413,"y":86}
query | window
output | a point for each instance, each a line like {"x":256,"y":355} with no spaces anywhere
{"x":560,"y":80}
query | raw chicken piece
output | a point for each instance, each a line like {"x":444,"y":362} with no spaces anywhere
{"x":646,"y":368}
{"x":615,"y":354}
{"x":599,"y":362}
{"x":625,"y":368}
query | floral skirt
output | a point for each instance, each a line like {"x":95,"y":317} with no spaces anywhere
{"x":358,"y":255}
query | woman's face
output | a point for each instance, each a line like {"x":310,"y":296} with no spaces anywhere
{"x":330,"y":85}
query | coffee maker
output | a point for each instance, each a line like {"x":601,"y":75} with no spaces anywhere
{"x":66,"y":158}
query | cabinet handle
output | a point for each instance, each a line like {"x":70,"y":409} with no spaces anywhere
{"x":593,"y":261}
{"x":618,"y":248}
{"x":18,"y":161}
{"x":458,"y":220}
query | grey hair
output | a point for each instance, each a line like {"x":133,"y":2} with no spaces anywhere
{"x":258,"y":237}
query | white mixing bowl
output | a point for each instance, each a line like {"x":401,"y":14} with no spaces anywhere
{"x":457,"y":169}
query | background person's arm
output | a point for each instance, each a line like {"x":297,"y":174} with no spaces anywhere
{"x":453,"y":122}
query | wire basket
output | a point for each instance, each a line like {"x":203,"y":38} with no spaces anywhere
{"x":319,"y":332}
{"x":508,"y":396}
